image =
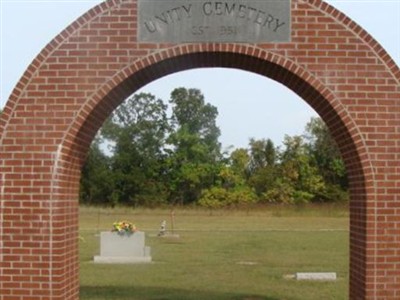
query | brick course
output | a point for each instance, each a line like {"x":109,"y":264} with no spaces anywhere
{"x":94,"y":64}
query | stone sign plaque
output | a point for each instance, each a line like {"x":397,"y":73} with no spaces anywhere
{"x":249,"y":21}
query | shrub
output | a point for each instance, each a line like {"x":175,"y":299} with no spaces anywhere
{"x":333,"y":193}
{"x":217,"y":197}
{"x":213,"y":198}
{"x":282,"y":192}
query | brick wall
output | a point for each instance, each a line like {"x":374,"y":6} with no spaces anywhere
{"x":93,"y":65}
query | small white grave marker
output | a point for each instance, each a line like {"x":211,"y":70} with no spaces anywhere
{"x":330,"y":276}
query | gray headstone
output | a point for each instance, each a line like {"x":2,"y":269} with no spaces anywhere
{"x":116,"y":248}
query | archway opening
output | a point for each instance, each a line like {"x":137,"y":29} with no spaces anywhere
{"x":322,"y":104}
{"x":283,"y":248}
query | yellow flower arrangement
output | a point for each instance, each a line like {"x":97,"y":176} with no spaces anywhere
{"x":124,"y":227}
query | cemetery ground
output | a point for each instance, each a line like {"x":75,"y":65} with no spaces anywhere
{"x":225,"y":254}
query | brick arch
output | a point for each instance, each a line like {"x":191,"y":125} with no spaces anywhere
{"x":87,"y":70}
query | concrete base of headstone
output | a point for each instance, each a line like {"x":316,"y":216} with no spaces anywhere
{"x":170,"y":235}
{"x":116,"y":248}
{"x":331,"y":276}
{"x":166,"y":235}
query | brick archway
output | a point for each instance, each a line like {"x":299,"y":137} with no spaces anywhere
{"x":89,"y":69}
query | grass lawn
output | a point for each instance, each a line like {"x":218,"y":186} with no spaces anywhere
{"x":241,"y":255}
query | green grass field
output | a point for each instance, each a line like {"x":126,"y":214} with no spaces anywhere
{"x":243,"y":255}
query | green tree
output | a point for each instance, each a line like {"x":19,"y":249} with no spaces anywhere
{"x":328,"y":160}
{"x":326,"y":153}
{"x":229,"y":190}
{"x":262,"y":167}
{"x":295,"y":179}
{"x":238,"y":168}
{"x":138,"y":129}
{"x":299,"y":168}
{"x":194,"y":117}
{"x":195,"y":157}
{"x":96,"y":184}
{"x":263,"y":154}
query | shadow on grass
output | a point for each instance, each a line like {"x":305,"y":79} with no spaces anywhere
{"x":155,"y":293}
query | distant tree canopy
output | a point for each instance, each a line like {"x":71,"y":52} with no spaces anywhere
{"x":171,"y":154}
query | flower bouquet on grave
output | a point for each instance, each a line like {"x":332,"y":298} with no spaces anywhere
{"x":124,"y":228}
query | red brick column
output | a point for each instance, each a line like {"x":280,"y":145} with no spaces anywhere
{"x":88,"y":70}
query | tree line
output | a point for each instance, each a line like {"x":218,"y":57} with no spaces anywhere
{"x":170,"y":154}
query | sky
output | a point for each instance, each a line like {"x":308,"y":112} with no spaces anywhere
{"x":250,"y":106}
